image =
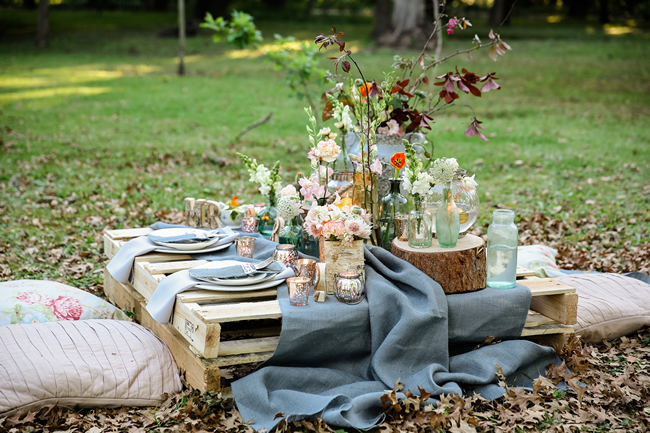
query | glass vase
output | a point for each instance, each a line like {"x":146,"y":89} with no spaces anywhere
{"x":291,"y":233}
{"x":267,"y":217}
{"x":502,"y":250}
{"x":393,"y":205}
{"x":447,"y":220}
{"x":420,"y":234}
{"x":466,"y":200}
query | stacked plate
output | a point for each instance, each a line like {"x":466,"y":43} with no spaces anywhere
{"x":259,"y":280}
{"x":187,"y":240}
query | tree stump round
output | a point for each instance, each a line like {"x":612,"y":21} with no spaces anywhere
{"x":458,"y":270}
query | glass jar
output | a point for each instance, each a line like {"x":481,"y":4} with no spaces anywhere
{"x":393,"y":205}
{"x":291,"y":233}
{"x":420,"y":232}
{"x":466,"y":200}
{"x":341,"y":183}
{"x":267,"y":217}
{"x":502,"y":250}
{"x":447,"y":220}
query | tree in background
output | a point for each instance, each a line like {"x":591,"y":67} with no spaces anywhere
{"x":43,"y":23}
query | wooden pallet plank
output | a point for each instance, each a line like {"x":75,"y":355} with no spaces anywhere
{"x":199,"y":373}
{"x":535,"y":319}
{"x":211,"y":296}
{"x":251,"y":345}
{"x":545,"y":286}
{"x":127,"y":234}
{"x":143,"y":281}
{"x":524,"y":272}
{"x":250,"y":358}
{"x":240,"y":311}
{"x":553,"y":328}
{"x":202,"y":336}
{"x":563,"y":307}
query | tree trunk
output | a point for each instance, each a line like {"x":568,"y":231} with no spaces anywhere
{"x":43,"y":26}
{"x":498,"y":13}
{"x":408,"y":23}
{"x":382,"y":19}
{"x":181,"y":37}
{"x":309,"y":8}
{"x":438,"y":24}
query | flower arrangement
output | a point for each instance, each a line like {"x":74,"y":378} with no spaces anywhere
{"x":289,"y":204}
{"x":338,"y":223}
{"x":268,"y":180}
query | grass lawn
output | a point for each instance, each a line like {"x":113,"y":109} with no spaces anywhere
{"x":98,"y":130}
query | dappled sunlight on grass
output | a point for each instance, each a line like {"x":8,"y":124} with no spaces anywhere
{"x":51,"y":92}
{"x":613,"y":30}
{"x":253,"y":53}
{"x":554,"y":19}
{"x":73,"y":75}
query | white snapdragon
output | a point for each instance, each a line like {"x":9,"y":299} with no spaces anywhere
{"x":443,"y":170}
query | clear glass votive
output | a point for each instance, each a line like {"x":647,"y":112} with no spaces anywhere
{"x":298,"y":290}
{"x":249,"y":224}
{"x":307,"y":268}
{"x":349,"y":287}
{"x":285,"y":253}
{"x":245,"y":246}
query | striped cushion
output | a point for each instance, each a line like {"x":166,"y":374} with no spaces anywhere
{"x":83,"y":363}
{"x":609,"y":305}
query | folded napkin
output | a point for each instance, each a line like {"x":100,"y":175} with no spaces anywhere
{"x":121,"y":264}
{"x":161,"y":304}
{"x":236,"y":271}
{"x":193,"y":236}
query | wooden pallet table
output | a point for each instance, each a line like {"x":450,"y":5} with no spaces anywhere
{"x":211,"y":331}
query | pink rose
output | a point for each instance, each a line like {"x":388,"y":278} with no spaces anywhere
{"x":30,"y":298}
{"x":66,"y":308}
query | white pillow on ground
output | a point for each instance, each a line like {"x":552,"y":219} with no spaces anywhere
{"x":33,"y":301}
{"x":88,"y":363}
{"x":540,"y":259}
{"x":609,"y":305}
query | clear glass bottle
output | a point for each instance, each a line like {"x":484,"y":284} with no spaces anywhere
{"x":267,"y":217}
{"x":291,"y":233}
{"x":447,"y":220}
{"x":502,"y":250}
{"x":420,"y":234}
{"x":393,"y":205}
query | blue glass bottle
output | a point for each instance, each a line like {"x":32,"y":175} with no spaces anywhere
{"x":502,"y":250}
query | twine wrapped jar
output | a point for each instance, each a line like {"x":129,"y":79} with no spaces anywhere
{"x":340,"y":256}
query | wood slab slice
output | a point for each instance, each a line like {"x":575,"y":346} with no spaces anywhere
{"x":458,"y":270}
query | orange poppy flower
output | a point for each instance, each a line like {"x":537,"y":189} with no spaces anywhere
{"x":365,"y":88}
{"x":234,"y":202}
{"x":398,"y":160}
{"x":266,"y":218}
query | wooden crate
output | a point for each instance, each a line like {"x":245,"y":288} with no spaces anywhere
{"x":212,"y":330}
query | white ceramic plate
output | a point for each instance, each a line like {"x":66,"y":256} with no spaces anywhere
{"x":259,"y":286}
{"x":188,"y":246}
{"x":236,"y":285}
{"x":206,"y":250}
{"x":237,"y":281}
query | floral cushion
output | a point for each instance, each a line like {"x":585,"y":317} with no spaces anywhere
{"x":540,"y":259}
{"x":35,"y":301}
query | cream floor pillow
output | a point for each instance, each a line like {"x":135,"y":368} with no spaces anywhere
{"x":609,"y":305}
{"x":83,"y":363}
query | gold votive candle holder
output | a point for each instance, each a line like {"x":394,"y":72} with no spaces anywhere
{"x":349,"y":287}
{"x":245,"y":246}
{"x":298,"y":290}
{"x":249,"y":224}
{"x":285,"y":253}
{"x":307,"y":268}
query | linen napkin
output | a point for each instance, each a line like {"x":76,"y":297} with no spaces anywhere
{"x":236,"y":271}
{"x":161,"y":304}
{"x":121,"y":264}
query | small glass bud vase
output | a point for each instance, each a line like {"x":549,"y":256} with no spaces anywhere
{"x":291,"y":233}
{"x":502,"y":250}
{"x":420,"y":232}
{"x":267,"y":217}
{"x":392,"y":206}
{"x":447,"y":220}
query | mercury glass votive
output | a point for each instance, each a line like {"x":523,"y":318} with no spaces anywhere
{"x":307,"y":268}
{"x":298,"y":290}
{"x":400,"y":222}
{"x":249,"y":224}
{"x":285,"y":253}
{"x":245,"y":246}
{"x":349,"y":287}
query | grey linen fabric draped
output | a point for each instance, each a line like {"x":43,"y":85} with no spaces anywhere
{"x":335,"y":360}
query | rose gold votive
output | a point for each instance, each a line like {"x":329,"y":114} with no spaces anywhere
{"x":400,"y":227}
{"x":245,"y":246}
{"x":307,"y":268}
{"x":349,"y":287}
{"x":249,"y":224}
{"x":298,"y":291}
{"x":285,"y":253}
